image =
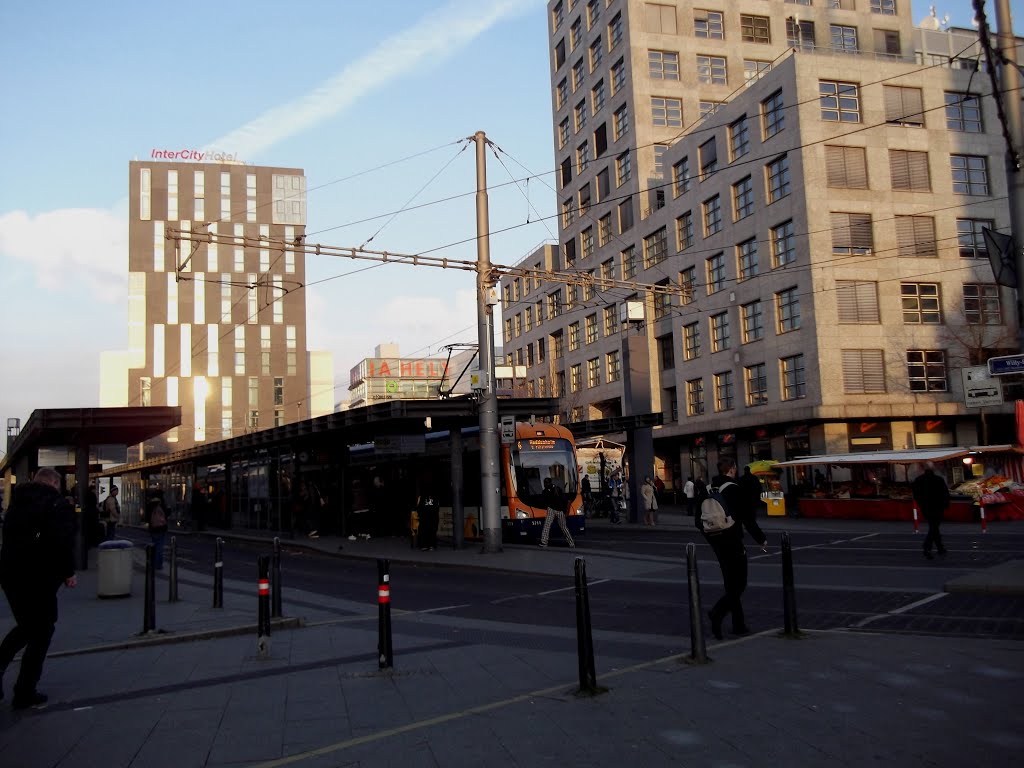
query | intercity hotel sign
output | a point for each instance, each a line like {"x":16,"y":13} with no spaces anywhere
{"x":195,"y":155}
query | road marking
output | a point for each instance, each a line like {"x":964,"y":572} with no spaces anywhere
{"x":444,"y":608}
{"x":568,"y":589}
{"x":901,"y":609}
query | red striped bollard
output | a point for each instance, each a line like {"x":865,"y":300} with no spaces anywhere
{"x":916,"y":528}
{"x":385,"y":654}
{"x":984,"y":524}
{"x":263,"y":623}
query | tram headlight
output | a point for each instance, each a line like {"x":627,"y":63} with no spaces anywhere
{"x":521,"y":515}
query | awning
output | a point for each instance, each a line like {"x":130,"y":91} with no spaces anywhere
{"x":896,"y":457}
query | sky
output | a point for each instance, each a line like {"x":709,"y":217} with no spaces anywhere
{"x":375,"y":101}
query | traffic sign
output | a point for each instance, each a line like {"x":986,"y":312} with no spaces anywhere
{"x":979,"y":389}
{"x":1004,"y":366}
{"x":508,"y":430}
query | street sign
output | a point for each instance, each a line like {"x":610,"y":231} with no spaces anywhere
{"x":1004,"y":366}
{"x":979,"y":388}
{"x":508,"y":430}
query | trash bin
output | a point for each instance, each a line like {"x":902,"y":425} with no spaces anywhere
{"x":114,"y":564}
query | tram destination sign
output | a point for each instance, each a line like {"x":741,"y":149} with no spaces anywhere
{"x":1004,"y":366}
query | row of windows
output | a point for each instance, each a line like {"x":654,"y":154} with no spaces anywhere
{"x":792,"y":386}
{"x":214,"y":340}
{"x":909,"y":171}
{"x":611,"y":371}
{"x":288,"y":198}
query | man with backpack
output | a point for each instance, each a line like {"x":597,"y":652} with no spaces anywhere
{"x":724,"y":512}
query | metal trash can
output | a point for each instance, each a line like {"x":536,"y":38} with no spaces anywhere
{"x":114,"y":565}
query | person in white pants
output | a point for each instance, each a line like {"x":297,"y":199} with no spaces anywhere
{"x":554,"y":498}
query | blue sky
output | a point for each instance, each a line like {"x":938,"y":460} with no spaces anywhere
{"x":337,"y":88}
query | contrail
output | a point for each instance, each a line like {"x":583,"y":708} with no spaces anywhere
{"x":438,"y":35}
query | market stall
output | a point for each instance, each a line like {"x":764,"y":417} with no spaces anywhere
{"x":876,"y":485}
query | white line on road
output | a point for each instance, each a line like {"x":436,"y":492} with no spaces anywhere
{"x":567,"y":589}
{"x":444,"y":608}
{"x":901,"y":609}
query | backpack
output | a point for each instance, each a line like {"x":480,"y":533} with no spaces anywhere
{"x":158,"y":518}
{"x":714,"y":511}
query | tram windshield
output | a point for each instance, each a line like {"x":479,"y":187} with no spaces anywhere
{"x":537,"y":458}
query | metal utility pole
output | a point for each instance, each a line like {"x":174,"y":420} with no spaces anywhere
{"x":490,"y":480}
{"x":1010,"y":85}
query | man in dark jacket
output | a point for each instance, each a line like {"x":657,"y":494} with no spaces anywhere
{"x":932,"y":497}
{"x":729,"y":549}
{"x":36,"y":558}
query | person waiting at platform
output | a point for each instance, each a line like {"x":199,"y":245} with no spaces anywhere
{"x":557,"y":504}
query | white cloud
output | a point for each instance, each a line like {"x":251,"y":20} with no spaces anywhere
{"x":436,"y":36}
{"x":71,"y":248}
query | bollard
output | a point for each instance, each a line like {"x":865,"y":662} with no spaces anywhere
{"x":788,"y":590}
{"x":916,"y":527}
{"x":584,"y":632}
{"x":149,"y":606}
{"x":172,"y":572}
{"x":984,"y":525}
{"x":698,"y":649}
{"x":263,"y":605}
{"x":275,"y":581}
{"x":385,"y":655}
{"x":218,"y":573}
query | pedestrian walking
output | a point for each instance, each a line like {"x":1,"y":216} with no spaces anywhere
{"x":427,"y":511}
{"x":156,"y":521}
{"x":729,"y":550}
{"x":37,"y":556}
{"x":312,"y":503}
{"x":557,"y":505}
{"x":588,"y":496}
{"x":751,"y":488}
{"x":649,"y":496}
{"x":690,"y":492}
{"x":111,"y":512}
{"x":932,"y":497}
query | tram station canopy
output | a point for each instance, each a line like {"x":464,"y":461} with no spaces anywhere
{"x":897,"y":457}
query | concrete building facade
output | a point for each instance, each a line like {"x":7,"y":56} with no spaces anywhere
{"x":818,"y":198}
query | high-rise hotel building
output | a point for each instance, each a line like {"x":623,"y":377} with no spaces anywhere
{"x":816,"y":192}
{"x":218,"y":329}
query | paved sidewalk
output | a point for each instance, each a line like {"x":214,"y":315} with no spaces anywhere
{"x":472,"y":692}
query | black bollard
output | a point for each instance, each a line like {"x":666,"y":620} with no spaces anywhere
{"x":385,"y":654}
{"x":172,"y":572}
{"x":149,"y":606}
{"x":698,"y":650}
{"x":218,"y":573}
{"x":275,"y":581}
{"x":788,"y":589}
{"x":263,"y":620}
{"x":584,"y":633}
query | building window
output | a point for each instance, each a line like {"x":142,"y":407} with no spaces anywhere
{"x":666,"y":113}
{"x":596,"y":49}
{"x":777,"y":175}
{"x":757,"y":384}
{"x":800,"y":34}
{"x":719,"y":325}
{"x":695,"y":397}
{"x":594,"y":372}
{"x":857,"y":302}
{"x":662,"y":302}
{"x":915,"y":237}
{"x":909,"y":171}
{"x":626,"y":215}
{"x":963,"y":112}
{"x":752,"y":321}
{"x":684,"y":231}
{"x":611,"y":320}
{"x":755,"y":29}
{"x":708,"y":24}
{"x":846,"y":167}
{"x":723,"y":391}
{"x":561,"y":93}
{"x":981,"y":304}
{"x":970,"y":238}
{"x":970,"y":174}
{"x":663,"y":65}
{"x":691,"y":341}
{"x":711,"y":70}
{"x":794,"y":382}
{"x":742,"y":198}
{"x":615,"y":31}
{"x":921,"y":303}
{"x":629,"y":263}
{"x":613,"y":366}
{"x":655,"y":248}
{"x":619,"y":76}
{"x":783,"y":245}
{"x":576,"y":378}
{"x":884,"y":7}
{"x":681,"y":179}
{"x":597,"y":97}
{"x":563,"y":133}
{"x":840,"y":102}
{"x":708,"y":108}
{"x":787,"y":310}
{"x":604,"y":229}
{"x":579,"y":72}
{"x":754,"y":69}
{"x":712,"y":216}
{"x":863,"y":371}
{"x":773,"y":116}
{"x":554,"y":304}
{"x":851,"y":233}
{"x":660,"y":150}
{"x":587,"y":242}
{"x":746,"y":259}
{"x":715,"y":266}
{"x":926,"y":370}
{"x":603,"y":185}
{"x":580,"y":119}
{"x":593,"y":12}
{"x":844,"y":39}
{"x":666,"y":352}
{"x":903,"y":106}
{"x":568,"y":210}
{"x":557,"y":15}
{"x":574,"y":336}
{"x":591,"y":328}
{"x":620,"y":122}
{"x":687,"y":285}
{"x":739,"y":138}
{"x":623,"y":168}
{"x":708,"y":154}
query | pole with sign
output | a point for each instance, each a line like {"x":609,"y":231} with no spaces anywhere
{"x":508,"y":430}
